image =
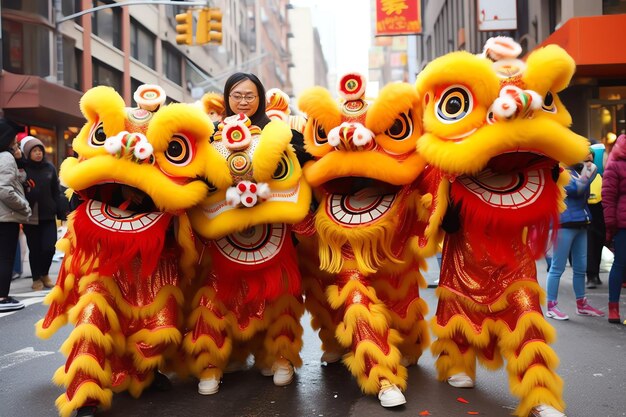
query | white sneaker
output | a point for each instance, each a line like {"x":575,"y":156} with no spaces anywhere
{"x":390,"y":395}
{"x":461,"y":380}
{"x":283,"y":372}
{"x":208,"y":386}
{"x":331,"y":357}
{"x":546,"y":411}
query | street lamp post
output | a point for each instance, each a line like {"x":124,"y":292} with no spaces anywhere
{"x":59,"y":18}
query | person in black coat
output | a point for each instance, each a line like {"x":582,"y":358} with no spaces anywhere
{"x":47,"y":204}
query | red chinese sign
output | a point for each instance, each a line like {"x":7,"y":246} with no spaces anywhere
{"x":398,"y":17}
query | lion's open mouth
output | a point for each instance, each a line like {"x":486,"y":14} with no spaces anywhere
{"x":121,"y":196}
{"x":521,"y":160}
{"x":360,"y":186}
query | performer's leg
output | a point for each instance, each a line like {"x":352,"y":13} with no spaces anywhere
{"x":207,"y":343}
{"x":374,"y":358}
{"x":456,"y":360}
{"x":156,"y":335}
{"x":323,"y":318}
{"x":283,"y":339}
{"x":400,"y":293}
{"x":531,"y":362}
{"x":96,"y":335}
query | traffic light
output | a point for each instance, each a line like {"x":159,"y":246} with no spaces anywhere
{"x":184,"y":28}
{"x":202,"y":28}
{"x":209,"y":28}
{"x":215,"y":25}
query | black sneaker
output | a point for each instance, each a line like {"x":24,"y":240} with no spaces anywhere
{"x":87,"y":411}
{"x":10,"y":304}
{"x":591,"y":284}
{"x":160,"y":383}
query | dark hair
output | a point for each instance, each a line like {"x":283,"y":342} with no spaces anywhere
{"x":8,"y":130}
{"x":259,"y":118}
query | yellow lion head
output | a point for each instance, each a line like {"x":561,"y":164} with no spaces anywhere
{"x":151,"y":157}
{"x":265,"y":184}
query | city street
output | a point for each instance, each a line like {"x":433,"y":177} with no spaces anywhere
{"x":592,"y":353}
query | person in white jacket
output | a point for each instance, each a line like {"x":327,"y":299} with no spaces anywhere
{"x":14,"y":209}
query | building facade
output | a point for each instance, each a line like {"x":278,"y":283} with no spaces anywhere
{"x":44,"y":75}
{"x":309,"y":65}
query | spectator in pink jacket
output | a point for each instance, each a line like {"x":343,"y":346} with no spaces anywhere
{"x":614,"y":205}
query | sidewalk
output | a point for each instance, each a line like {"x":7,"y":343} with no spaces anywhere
{"x":23,"y":284}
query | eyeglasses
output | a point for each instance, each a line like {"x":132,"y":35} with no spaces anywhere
{"x":239,"y":97}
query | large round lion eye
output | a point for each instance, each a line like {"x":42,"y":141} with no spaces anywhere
{"x":455,"y":103}
{"x":320,"y":134}
{"x":548,"y":103}
{"x":283,"y":169}
{"x":179,"y":151}
{"x":98,"y":136}
{"x":401,"y":128}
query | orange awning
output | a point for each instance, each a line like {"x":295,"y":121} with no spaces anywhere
{"x":597,"y":44}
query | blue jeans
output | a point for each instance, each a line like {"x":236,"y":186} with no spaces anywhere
{"x":618,"y":270}
{"x":574,"y":240}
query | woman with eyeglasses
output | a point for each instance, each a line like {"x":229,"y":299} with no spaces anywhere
{"x":244,"y":93}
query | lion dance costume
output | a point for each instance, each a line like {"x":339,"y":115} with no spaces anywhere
{"x":496,"y":129}
{"x":365,"y":300}
{"x":250,"y":300}
{"x":127,"y":244}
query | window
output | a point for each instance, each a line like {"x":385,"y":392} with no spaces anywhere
{"x":71,"y":65}
{"x":134,"y":85}
{"x":172,"y":65}
{"x":37,"y":7}
{"x":142,"y":44}
{"x":613,"y":6}
{"x":25,"y":48}
{"x":104,"y":74}
{"x":107,"y":24}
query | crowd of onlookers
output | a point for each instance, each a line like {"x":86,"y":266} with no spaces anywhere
{"x":595,"y":217}
{"x":31,"y":200}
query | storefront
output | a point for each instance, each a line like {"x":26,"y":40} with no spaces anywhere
{"x":596,"y":97}
{"x":48,"y":111}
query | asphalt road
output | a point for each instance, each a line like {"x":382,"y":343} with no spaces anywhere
{"x":592,"y":353}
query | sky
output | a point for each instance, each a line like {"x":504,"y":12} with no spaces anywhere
{"x":345,"y":32}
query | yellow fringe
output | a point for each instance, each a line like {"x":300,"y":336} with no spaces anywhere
{"x":205,"y":343}
{"x":135,"y":387}
{"x":90,"y":334}
{"x":87,"y":390}
{"x":500,"y":304}
{"x":371,"y":245}
{"x":145,"y":311}
{"x":458,"y":324}
{"x":528,"y":356}
{"x":101,"y":303}
{"x":511,"y":340}
{"x":377,"y":316}
{"x":56,"y":324}
{"x":337,"y":298}
{"x":387,"y":366}
{"x":207,"y":316}
{"x":453,"y":362}
{"x":167,"y":336}
{"x":539,"y":395}
{"x":189,"y":255}
{"x":409,"y":279}
{"x":83,"y":363}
